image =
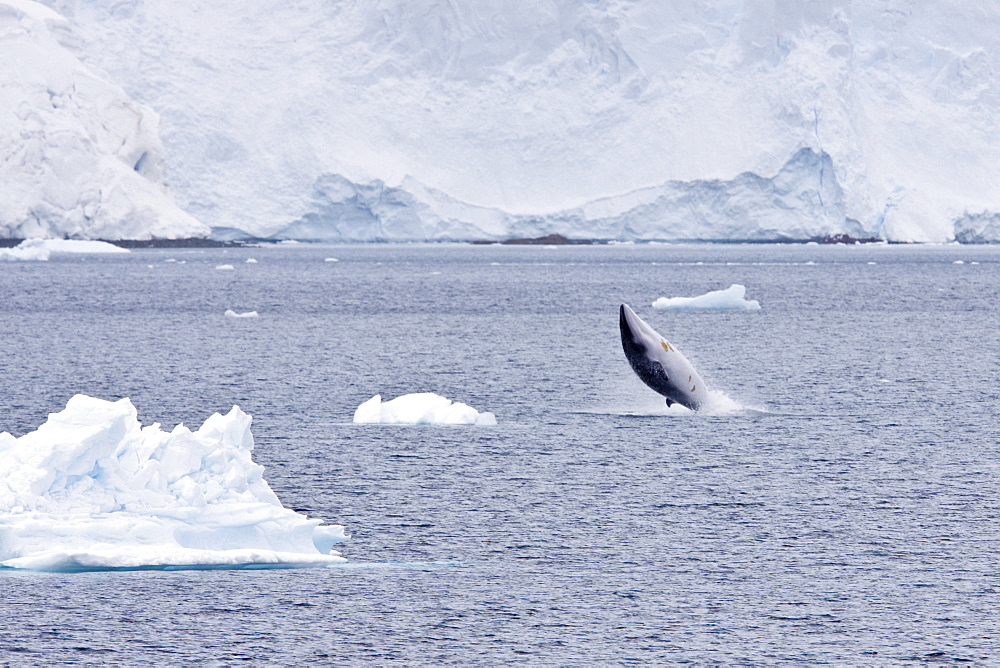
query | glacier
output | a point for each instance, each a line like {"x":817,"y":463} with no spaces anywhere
{"x":78,"y":158}
{"x":611,"y":119}
{"x":92,"y":489}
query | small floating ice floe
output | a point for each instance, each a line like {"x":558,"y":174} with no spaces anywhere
{"x":82,"y":246}
{"x":732,"y":298}
{"x":420,"y":408}
{"x":92,"y":489}
{"x":230,"y":313}
{"x":251,"y":260}
{"x":225,"y":267}
{"x":25,"y":252}
{"x":331,"y":259}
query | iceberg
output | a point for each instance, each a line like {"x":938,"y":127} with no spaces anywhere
{"x":77,"y":246}
{"x":732,"y":299}
{"x":92,"y":489}
{"x":420,"y":408}
{"x":41,"y":249}
{"x":29,"y":250}
{"x":230,"y":313}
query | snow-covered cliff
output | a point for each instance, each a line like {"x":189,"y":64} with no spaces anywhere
{"x":78,"y":158}
{"x":427,"y":119}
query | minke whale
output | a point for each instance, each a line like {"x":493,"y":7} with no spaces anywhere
{"x":659,"y":364}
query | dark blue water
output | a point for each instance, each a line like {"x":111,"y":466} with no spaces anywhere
{"x":848,"y":512}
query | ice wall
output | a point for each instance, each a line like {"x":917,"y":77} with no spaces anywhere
{"x":978,"y":228}
{"x":93,"y":489}
{"x":434,"y":119}
{"x":802,"y":201}
{"x":78,"y":158}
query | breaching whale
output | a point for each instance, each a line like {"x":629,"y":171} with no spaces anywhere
{"x":659,"y":364}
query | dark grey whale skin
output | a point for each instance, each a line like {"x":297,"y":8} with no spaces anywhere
{"x":644,"y":354}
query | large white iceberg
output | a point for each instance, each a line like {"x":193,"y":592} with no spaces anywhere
{"x":420,"y":408}
{"x":93,"y":489}
{"x":78,"y":157}
{"x":633,"y":119}
{"x":730,"y":299}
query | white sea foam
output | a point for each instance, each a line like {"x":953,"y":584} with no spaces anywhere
{"x":93,"y":489}
{"x":645,"y":403}
{"x":720,"y":403}
{"x":420,"y":408}
{"x":732,"y":298}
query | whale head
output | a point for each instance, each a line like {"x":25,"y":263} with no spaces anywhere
{"x":658,"y":364}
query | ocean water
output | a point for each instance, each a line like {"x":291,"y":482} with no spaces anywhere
{"x":843,"y":507}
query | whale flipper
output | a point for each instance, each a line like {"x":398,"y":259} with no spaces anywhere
{"x":659,"y":364}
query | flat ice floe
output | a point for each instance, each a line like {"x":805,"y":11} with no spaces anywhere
{"x":92,"y":489}
{"x":732,"y":298}
{"x":41,"y":249}
{"x":420,"y":408}
{"x":230,"y":313}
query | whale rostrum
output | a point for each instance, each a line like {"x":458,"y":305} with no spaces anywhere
{"x":659,"y":364}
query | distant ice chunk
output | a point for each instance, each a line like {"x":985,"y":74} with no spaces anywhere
{"x":41,"y":249}
{"x":82,"y":246}
{"x":230,"y":313}
{"x":225,"y":267}
{"x":420,"y":408}
{"x":93,"y":489}
{"x":732,"y":298}
{"x":27,"y":251}
{"x":251,"y":260}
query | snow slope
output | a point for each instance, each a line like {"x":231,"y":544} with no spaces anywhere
{"x":78,"y":158}
{"x":618,"y":119}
